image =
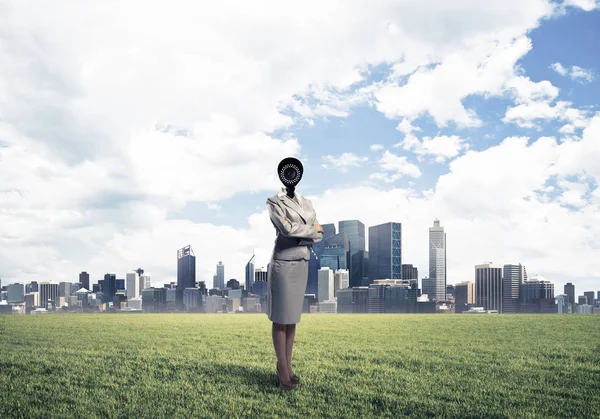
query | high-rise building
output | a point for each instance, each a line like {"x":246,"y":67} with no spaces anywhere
{"x":537,"y":296}
{"x":437,"y":259}
{"x":488,"y":286}
{"x":15,"y":293}
{"x":570,"y":292}
{"x":385,"y":251}
{"x":450,"y":291}
{"x":109,"y":287}
{"x":464,"y":295}
{"x":598,"y":295}
{"x":328,"y":231}
{"x":312,"y":285}
{"x":582,"y":300}
{"x":145,"y":280}
{"x":341,"y":280}
{"x":336,"y":253}
{"x":64,"y":289}
{"x":133,"y":285}
{"x":186,"y":268}
{"x":563,"y":304}
{"x":428,"y":287}
{"x":513,"y":278}
{"x":220,"y":278}
{"x":325,"y":291}
{"x":355,"y":230}
{"x":48,"y":292}
{"x":84,"y":279}
{"x":260,"y":274}
{"x":250,"y":272}
{"x":590,"y":297}
{"x":234,"y":284}
{"x":410,"y":272}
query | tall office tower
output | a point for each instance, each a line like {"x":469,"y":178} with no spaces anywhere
{"x":260,"y":274}
{"x":84,"y":279}
{"x":537,"y":296}
{"x":385,"y":251}
{"x":570,"y":292}
{"x":220,"y":276}
{"x":109,"y":287}
{"x":64,"y":289}
{"x":186,"y":268}
{"x":365,"y":280}
{"x":336,"y":254}
{"x":410,"y":272}
{"x":312,"y":285}
{"x":15,"y":293}
{"x":48,"y":292}
{"x":325,"y":291}
{"x":563,"y":304}
{"x":428,"y":287}
{"x":355,"y":230}
{"x":582,"y":300}
{"x":145,"y":280}
{"x":464,"y":295}
{"x":488,"y":286}
{"x":328,"y":231}
{"x":437,"y":259}
{"x":341,"y":280}
{"x":250,"y":273}
{"x":215,"y":281}
{"x":133,"y":285}
{"x":590,"y":297}
{"x":512,"y":280}
{"x":598,"y":295}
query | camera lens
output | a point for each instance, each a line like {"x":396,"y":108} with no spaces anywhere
{"x":290,"y":173}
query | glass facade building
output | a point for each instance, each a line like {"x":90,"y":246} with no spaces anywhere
{"x":385,"y":251}
{"x":336,"y":253}
{"x":249,"y":273}
{"x":186,"y":268}
{"x":437,"y":260}
{"x":355,"y":230}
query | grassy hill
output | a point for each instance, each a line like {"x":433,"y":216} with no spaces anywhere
{"x":351,"y":366}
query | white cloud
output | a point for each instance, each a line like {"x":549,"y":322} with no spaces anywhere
{"x":559,"y":68}
{"x":527,"y":114}
{"x":586,"y":5}
{"x":574,"y":73}
{"x":376,"y":147}
{"x":442,"y":147}
{"x":344,"y":162}
{"x":398,"y":165}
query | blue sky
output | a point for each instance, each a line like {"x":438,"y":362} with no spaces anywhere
{"x":91,"y":180}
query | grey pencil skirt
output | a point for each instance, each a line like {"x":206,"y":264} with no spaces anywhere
{"x":286,"y":286}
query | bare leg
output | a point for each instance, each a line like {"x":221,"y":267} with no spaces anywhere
{"x":279,"y":343}
{"x":290,"y":332}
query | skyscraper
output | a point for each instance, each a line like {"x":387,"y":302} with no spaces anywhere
{"x":570,"y":292}
{"x":410,"y":272}
{"x":250,"y":273}
{"x":465,"y":295}
{"x":220,"y":275}
{"x":590,"y":297}
{"x":355,"y":230}
{"x":109,"y":287}
{"x":326,"y":278}
{"x":437,"y":259}
{"x":537,"y":296}
{"x":186,"y":268}
{"x":385,"y":251}
{"x":488,"y":286}
{"x":312,"y":284}
{"x":513,"y":278}
{"x":48,"y":292}
{"x":84,"y":279}
{"x":336,"y":253}
{"x":133,"y":285}
{"x":328,"y":231}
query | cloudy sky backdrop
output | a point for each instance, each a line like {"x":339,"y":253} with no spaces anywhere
{"x":130,"y":129}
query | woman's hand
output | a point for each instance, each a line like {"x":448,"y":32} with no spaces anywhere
{"x":319,"y":228}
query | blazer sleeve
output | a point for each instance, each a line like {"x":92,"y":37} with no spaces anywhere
{"x":287,"y":227}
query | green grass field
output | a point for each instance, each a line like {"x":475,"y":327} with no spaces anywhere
{"x":351,"y":366}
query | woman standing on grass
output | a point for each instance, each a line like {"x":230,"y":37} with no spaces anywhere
{"x":297,"y":229}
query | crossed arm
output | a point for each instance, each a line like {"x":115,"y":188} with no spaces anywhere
{"x":307,"y":233}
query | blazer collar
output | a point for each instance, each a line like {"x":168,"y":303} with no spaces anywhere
{"x":282,"y":194}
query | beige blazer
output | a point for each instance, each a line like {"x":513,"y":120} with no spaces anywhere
{"x":294,"y":226}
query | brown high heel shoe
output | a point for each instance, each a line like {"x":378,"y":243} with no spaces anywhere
{"x":295,"y":379}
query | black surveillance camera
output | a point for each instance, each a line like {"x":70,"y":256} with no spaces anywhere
{"x":290,"y":172}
